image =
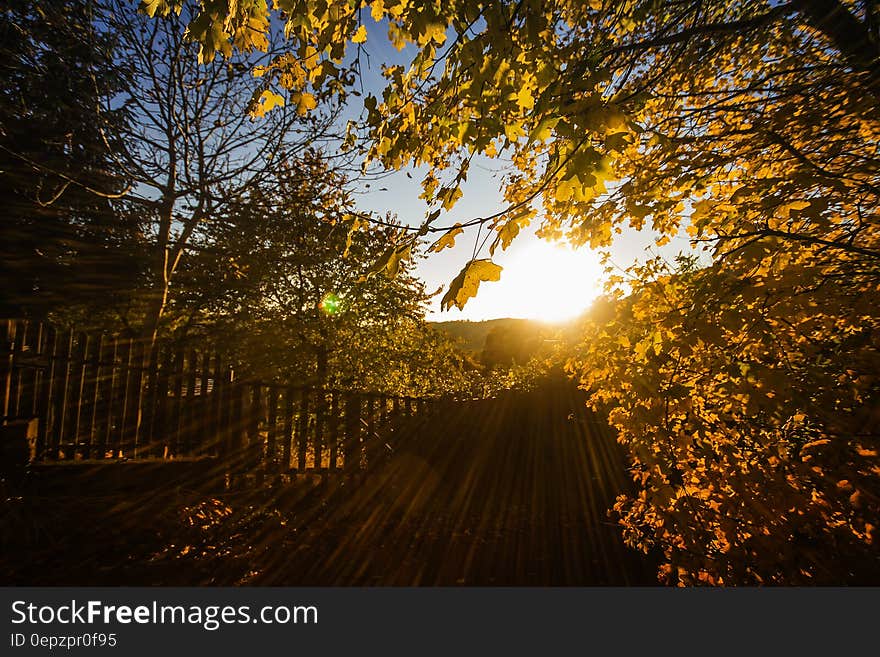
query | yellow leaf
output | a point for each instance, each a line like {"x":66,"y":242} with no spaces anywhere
{"x":390,"y":260}
{"x":544,"y":129}
{"x":513,"y":131}
{"x":568,"y":188}
{"x":265,"y":103}
{"x":360,"y":36}
{"x":396,"y":36}
{"x":397,"y":257}
{"x":511,"y":228}
{"x":448,"y":196}
{"x":448,"y":238}
{"x":433,"y":32}
{"x":524,"y":99}
{"x":304,"y":102}
{"x":466,"y":284}
{"x":161,"y":7}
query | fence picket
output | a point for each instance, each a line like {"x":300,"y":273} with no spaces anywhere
{"x":174,"y":424}
{"x":18,"y":341}
{"x":81,"y":356}
{"x":99,"y":396}
{"x":7,"y":367}
{"x":288,"y":428}
{"x":254,"y":439}
{"x":320,"y":406}
{"x":302,"y":430}
{"x":271,"y":459}
{"x":352,"y":447}
{"x":65,"y":349}
{"x":212,"y":409}
{"x":333,"y":433}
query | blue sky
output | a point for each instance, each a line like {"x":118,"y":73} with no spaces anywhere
{"x":539,"y":280}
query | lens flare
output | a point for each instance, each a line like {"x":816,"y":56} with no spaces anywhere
{"x":330,"y":303}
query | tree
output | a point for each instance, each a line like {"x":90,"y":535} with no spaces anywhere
{"x":751,"y":424}
{"x":752,"y":124}
{"x":574,"y":95}
{"x":199,"y":138}
{"x":62,"y":241}
{"x":281,"y":275}
{"x":514,"y":342}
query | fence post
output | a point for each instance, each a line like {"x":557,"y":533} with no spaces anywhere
{"x":302,"y":431}
{"x":6,"y":367}
{"x":190,"y":409}
{"x":79,"y":388}
{"x":212,"y":407}
{"x":237,"y":429}
{"x":97,"y":353}
{"x":288,"y":429}
{"x":112,"y":380}
{"x":148,"y":401}
{"x":174,"y":418}
{"x":254,"y":450}
{"x":352,"y":448}
{"x":272,"y":434}
{"x":226,"y":413}
{"x":13,"y":410}
{"x":370,"y":442}
{"x":333,"y":430}
{"x":383,"y":410}
{"x":18,"y":398}
{"x":47,"y":387}
{"x":66,"y":346}
{"x":320,"y":406}
{"x":202,"y":424}
{"x":125,"y":439}
{"x":161,"y":368}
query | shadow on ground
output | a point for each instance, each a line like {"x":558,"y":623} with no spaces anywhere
{"x":506,"y":491}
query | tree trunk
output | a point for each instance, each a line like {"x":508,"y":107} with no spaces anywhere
{"x":157,"y":299}
{"x":323,"y":367}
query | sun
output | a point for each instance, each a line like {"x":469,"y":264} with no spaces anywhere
{"x":551,"y":282}
{"x":541,"y":280}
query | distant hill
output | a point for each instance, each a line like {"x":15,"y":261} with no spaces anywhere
{"x":500,"y":342}
{"x":473,"y":334}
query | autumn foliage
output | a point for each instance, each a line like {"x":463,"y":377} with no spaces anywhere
{"x":743,"y":384}
{"x":750,"y":418}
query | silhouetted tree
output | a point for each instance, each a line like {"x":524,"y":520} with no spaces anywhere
{"x":198,"y":139}
{"x":61,"y":240}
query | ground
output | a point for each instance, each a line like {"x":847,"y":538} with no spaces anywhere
{"x":506,"y":491}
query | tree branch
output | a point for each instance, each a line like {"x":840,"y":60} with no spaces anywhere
{"x":689,"y":33}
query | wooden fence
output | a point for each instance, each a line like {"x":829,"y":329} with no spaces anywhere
{"x":98,"y":397}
